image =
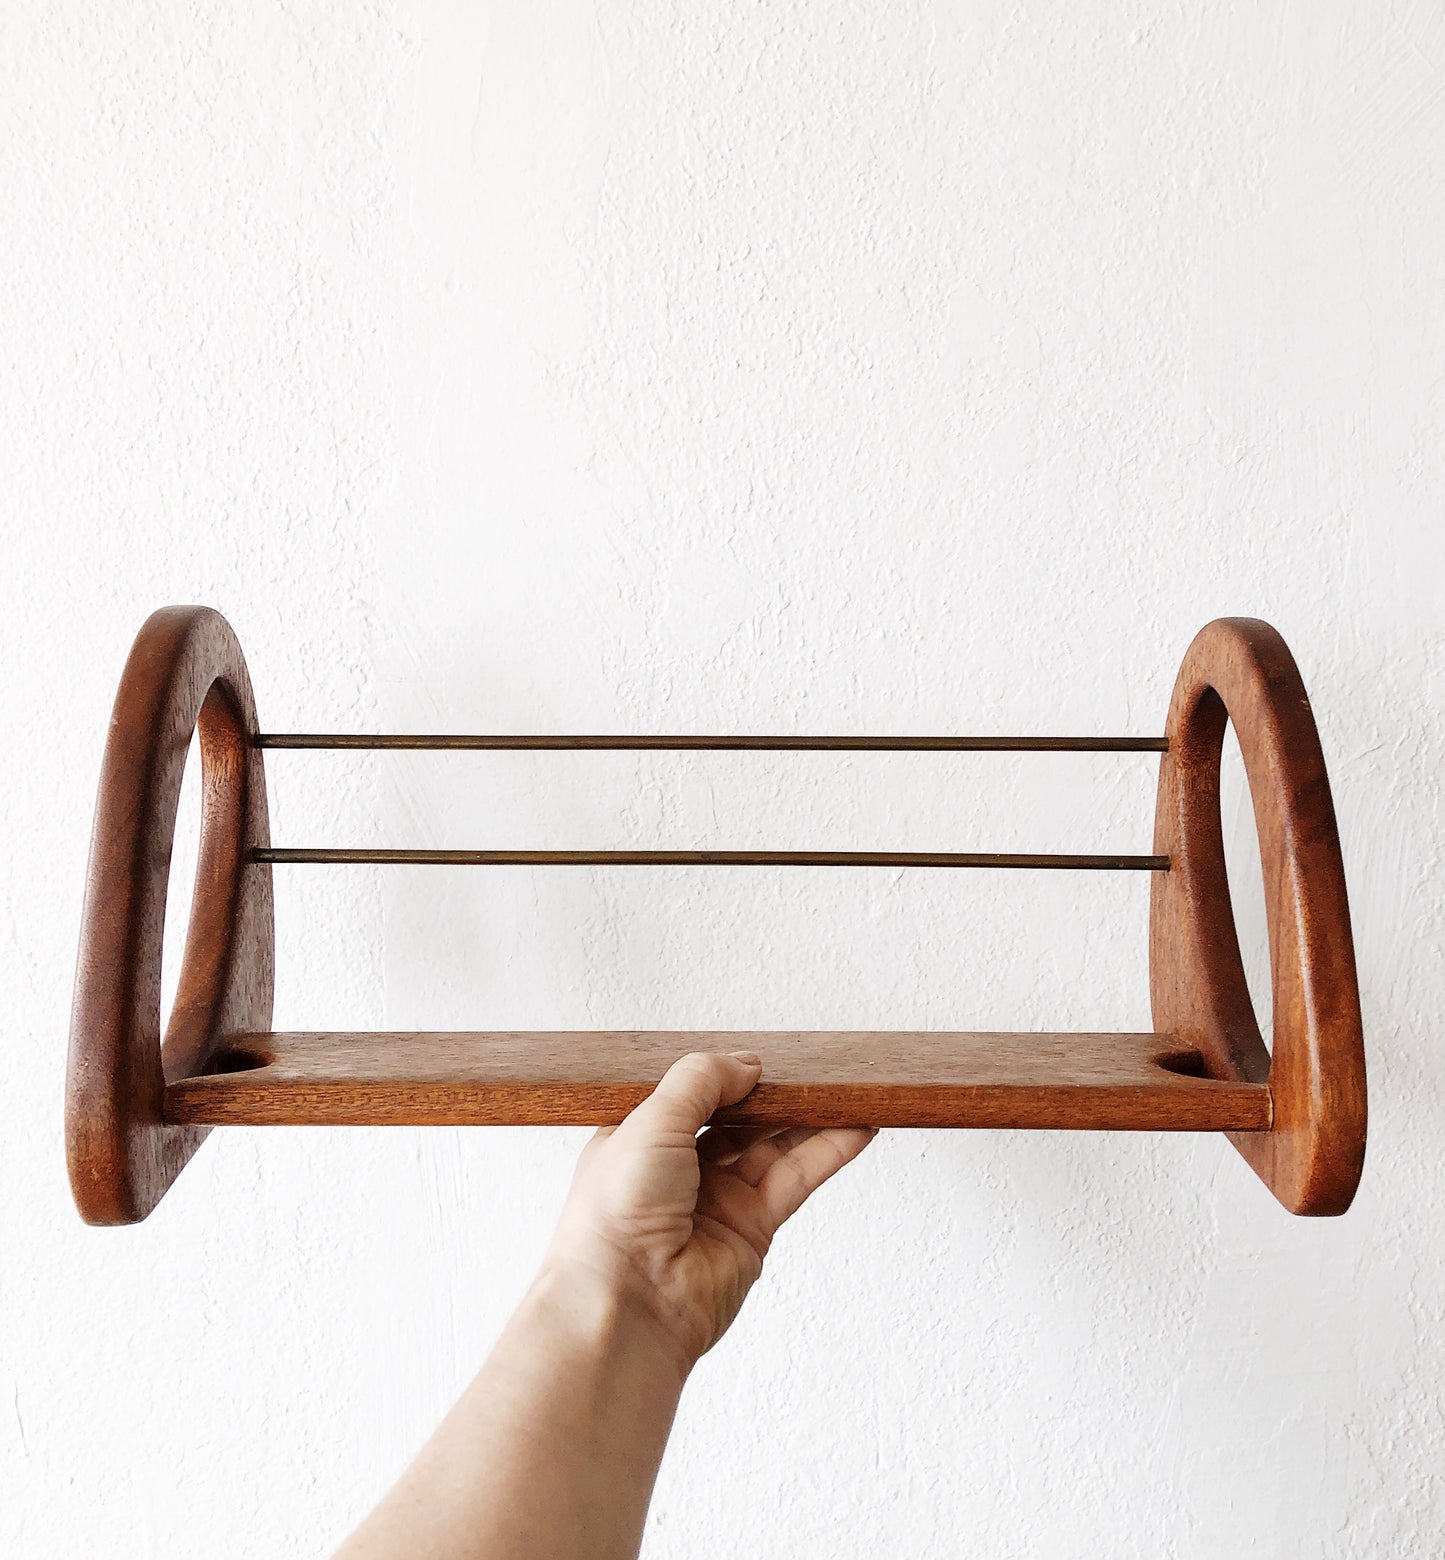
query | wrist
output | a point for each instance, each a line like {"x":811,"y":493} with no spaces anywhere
{"x":602,"y":1311}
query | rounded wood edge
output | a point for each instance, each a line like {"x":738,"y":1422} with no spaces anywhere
{"x":185,"y":673}
{"x":1240,"y":671}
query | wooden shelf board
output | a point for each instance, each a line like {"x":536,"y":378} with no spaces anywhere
{"x":888,"y":1078}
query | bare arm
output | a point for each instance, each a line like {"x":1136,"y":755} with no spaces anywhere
{"x":552,"y":1451}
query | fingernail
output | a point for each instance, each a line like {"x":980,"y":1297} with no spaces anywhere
{"x":748,"y":1058}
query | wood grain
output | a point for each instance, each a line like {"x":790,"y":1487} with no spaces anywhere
{"x":1239,"y":670}
{"x":819,"y":1078}
{"x":185,"y":672}
{"x":137,"y":1107}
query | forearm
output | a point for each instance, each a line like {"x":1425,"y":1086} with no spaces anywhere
{"x":552,"y":1451}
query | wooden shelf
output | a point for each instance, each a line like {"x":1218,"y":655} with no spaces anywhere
{"x":139,"y":1103}
{"x":894,"y":1078}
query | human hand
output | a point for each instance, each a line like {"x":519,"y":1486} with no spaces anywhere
{"x":678,"y":1223}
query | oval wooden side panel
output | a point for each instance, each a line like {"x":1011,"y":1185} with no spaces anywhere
{"x":1240,"y":671}
{"x":185,"y":673}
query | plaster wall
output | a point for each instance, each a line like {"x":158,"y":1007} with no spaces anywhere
{"x":806,"y":366}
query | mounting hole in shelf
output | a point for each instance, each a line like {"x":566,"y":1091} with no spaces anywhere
{"x":1245,"y":872}
{"x":236,"y":1059}
{"x":1188,"y":1064}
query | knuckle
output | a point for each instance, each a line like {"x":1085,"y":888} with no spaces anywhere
{"x":696,"y":1066}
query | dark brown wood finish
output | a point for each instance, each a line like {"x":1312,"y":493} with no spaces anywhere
{"x":1239,"y":670}
{"x":136,"y":1108}
{"x":887,"y":1078}
{"x":185,"y":672}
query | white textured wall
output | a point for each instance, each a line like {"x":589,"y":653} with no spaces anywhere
{"x":745,"y":366}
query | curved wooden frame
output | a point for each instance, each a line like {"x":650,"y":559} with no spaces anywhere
{"x":185,"y":673}
{"x":1239,"y":671}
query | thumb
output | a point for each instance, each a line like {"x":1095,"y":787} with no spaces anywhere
{"x":691,"y":1090}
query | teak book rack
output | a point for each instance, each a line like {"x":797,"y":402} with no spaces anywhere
{"x":138,"y":1105}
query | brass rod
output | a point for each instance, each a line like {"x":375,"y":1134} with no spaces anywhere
{"x":706,"y":858}
{"x":295,"y":739}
